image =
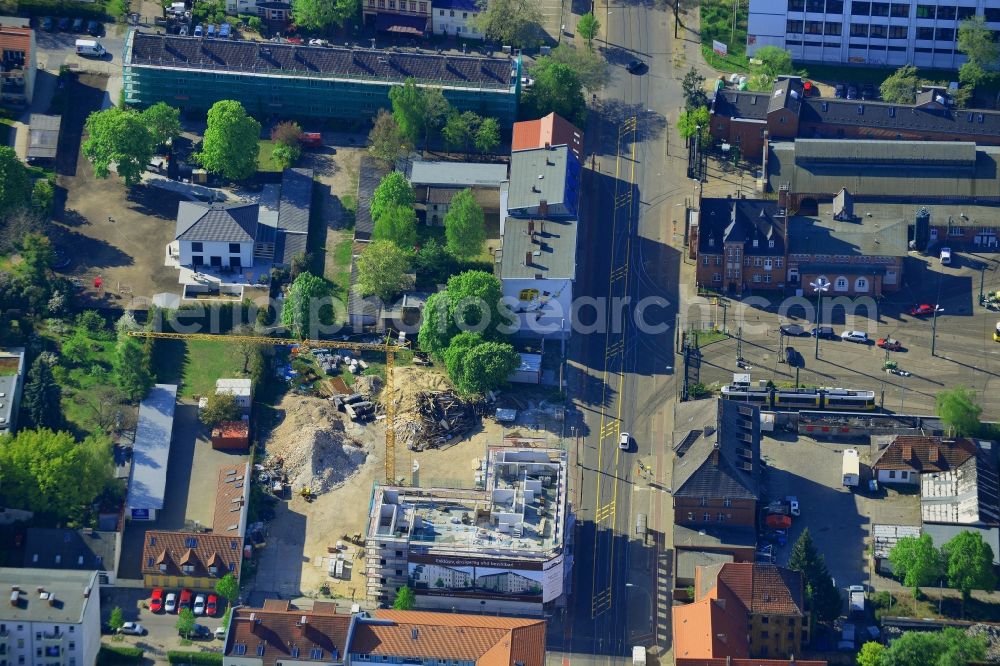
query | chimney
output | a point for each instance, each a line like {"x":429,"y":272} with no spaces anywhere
{"x":52,"y":600}
{"x":548,"y":146}
{"x":907,"y":451}
{"x":543,"y":207}
{"x":531,"y":226}
{"x":534,"y":188}
{"x":303,"y":625}
{"x":932,"y":454}
{"x":253,"y":623}
{"x":527,"y":258}
{"x":86,"y":592}
{"x":715,"y":454}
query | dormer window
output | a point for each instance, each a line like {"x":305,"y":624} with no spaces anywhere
{"x":213,"y":570}
{"x":711,"y":242}
{"x":188,"y":568}
{"x":770,"y":243}
{"x":163,"y":568}
{"x":756,"y":242}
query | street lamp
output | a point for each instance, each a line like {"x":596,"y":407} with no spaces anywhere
{"x":819,"y":286}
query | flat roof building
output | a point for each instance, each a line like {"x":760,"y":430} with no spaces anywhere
{"x":11,"y":385}
{"x":447,"y":544}
{"x":422,"y":173}
{"x":79,"y":550}
{"x":544,"y":183}
{"x":311,"y":81}
{"x":43,"y":137}
{"x":151,"y":452}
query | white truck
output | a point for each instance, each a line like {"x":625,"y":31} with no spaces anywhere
{"x":856,"y":601}
{"x":638,"y":656}
{"x":852,"y":468}
{"x":89,"y":47}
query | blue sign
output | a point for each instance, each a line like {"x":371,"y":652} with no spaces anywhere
{"x":140,"y":514}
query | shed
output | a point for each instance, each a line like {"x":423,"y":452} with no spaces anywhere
{"x":43,"y":137}
{"x":231,"y":436}
{"x":530,"y":370}
{"x":241,"y":388}
{"x":151,"y":452}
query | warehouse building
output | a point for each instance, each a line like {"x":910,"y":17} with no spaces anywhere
{"x":289,"y":80}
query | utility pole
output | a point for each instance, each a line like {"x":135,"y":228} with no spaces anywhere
{"x":819,"y":286}
{"x":797,"y":368}
{"x":934,"y":331}
{"x":732,"y":37}
{"x":739,"y":344}
{"x":724,"y":304}
{"x":982,"y":279}
{"x":677,"y":17}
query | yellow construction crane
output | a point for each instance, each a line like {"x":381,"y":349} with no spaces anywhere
{"x":389,"y":348}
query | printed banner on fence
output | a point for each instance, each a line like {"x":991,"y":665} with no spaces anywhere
{"x":720,"y":48}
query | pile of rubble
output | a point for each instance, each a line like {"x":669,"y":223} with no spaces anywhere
{"x":992,"y":635}
{"x":316,"y":452}
{"x":442,"y":416}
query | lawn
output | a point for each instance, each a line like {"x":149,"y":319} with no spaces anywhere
{"x":265,"y":161}
{"x":717,"y":24}
{"x":340,"y":275}
{"x":195,"y":363}
{"x":707,"y":337}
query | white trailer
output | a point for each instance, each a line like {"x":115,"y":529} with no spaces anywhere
{"x":857,"y":599}
{"x":852,"y":468}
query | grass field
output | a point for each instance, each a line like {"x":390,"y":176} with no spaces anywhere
{"x":717,"y":24}
{"x":265,"y":161}
{"x":341,"y":275}
{"x":195,"y":363}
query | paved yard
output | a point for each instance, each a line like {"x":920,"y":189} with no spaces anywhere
{"x":840,"y":520}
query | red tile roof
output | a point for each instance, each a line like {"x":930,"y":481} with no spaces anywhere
{"x":723,"y":661}
{"x":763,"y":588}
{"x":553,"y":130}
{"x":13,"y":38}
{"x":172,"y":550}
{"x":920,"y":453}
{"x":277,"y":629}
{"x":231,"y":497}
{"x":709,"y":628}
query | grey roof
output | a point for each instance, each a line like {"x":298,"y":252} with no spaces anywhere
{"x":151,"y":450}
{"x":378,"y":66}
{"x":526,"y":188}
{"x":67,"y":587}
{"x":723,"y":427}
{"x":455,"y":174}
{"x":877,"y":230}
{"x":288,"y":246}
{"x":917,"y":170}
{"x":722,"y":221}
{"x":786,"y":94}
{"x":10,"y":386}
{"x":731,"y":536}
{"x":741,"y":105}
{"x":43,"y":136}
{"x":689,"y":560}
{"x":82,"y":550}
{"x":964,"y":495}
{"x":197,"y":221}
{"x":370,"y":174}
{"x":942,"y":534}
{"x":552,"y":247}
{"x":296,"y":199}
{"x":358,"y":305}
{"x":900,"y":117}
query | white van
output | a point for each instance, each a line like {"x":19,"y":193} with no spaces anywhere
{"x":89,"y":47}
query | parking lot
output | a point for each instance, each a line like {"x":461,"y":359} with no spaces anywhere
{"x":964,"y":351}
{"x":840,"y":520}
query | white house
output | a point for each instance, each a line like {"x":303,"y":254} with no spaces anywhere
{"x":241,"y":388}
{"x":456,"y":18}
{"x":54,"y":617}
{"x":216,"y":235}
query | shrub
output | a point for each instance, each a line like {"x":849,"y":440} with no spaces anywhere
{"x":188,"y":657}
{"x":113,"y":655}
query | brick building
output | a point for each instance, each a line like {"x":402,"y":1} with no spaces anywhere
{"x":19,"y":64}
{"x":403,"y":17}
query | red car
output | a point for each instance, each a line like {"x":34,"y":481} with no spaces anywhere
{"x":212,"y":605}
{"x":923,"y":309}
{"x":889,"y":343}
{"x":187,"y":597}
{"x":156,"y":600}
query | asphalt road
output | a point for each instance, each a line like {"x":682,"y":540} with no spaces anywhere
{"x":621,"y":376}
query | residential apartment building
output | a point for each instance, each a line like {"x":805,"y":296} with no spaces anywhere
{"x":918,"y":32}
{"x":907,"y":457}
{"x":743,"y":611}
{"x":747,"y":119}
{"x":283,"y":634}
{"x":287,"y":80}
{"x":275,"y":12}
{"x":446,"y":544}
{"x":54,"y":617}
{"x":85,"y":549}
{"x":11,"y":386}
{"x":550,"y":130}
{"x":19,"y":64}
{"x":401,"y":17}
{"x":456,"y":18}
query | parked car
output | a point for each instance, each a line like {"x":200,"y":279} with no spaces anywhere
{"x":634,"y":66}
{"x":855,"y":336}
{"x":220,"y":633}
{"x":946,"y":255}
{"x":852,"y":92}
{"x":825,"y":332}
{"x":868,"y":91}
{"x":924,"y":309}
{"x":210,"y":30}
{"x":889,"y":343}
{"x":318,"y":42}
{"x":838,"y":90}
{"x":183,"y":31}
{"x":198,"y":631}
{"x":793,"y":358}
{"x":47,"y":24}
{"x":793,"y":330}
{"x":624,"y":440}
{"x":78,"y":25}
{"x":225,"y":31}
{"x":199,"y":604}
{"x":156,"y":600}
{"x":199,"y":30}
{"x":295,"y":40}
{"x":133,"y":629}
{"x":64,"y":23}
{"x":170,"y":603}
{"x":185,"y":600}
{"x":94,"y":28}
{"x":212,"y":605}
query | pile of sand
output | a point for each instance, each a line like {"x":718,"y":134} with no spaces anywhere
{"x":317,"y":452}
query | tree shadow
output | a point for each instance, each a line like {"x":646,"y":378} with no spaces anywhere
{"x":89,"y":252}
{"x":154,"y":201}
{"x":610,"y":114}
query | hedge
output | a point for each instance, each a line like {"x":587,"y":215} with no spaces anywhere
{"x":93,"y":10}
{"x":115,"y":655}
{"x":187,"y":657}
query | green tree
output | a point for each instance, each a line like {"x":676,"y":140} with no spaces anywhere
{"x":871,"y":654}
{"x":37,"y":257}
{"x":514,"y":23}
{"x":409,"y":109}
{"x":14,"y":181}
{"x":185,"y":622}
{"x":975,"y":40}
{"x":163,"y":122}
{"x":43,"y":195}
{"x":693,"y":86}
{"x":231,"y":143}
{"x":50,"y":472}
{"x":557,"y":88}
{"x":949,"y":647}
{"x":822,"y":597}
{"x":436,"y":326}
{"x":118,"y":136}
{"x":301,"y":310}
{"x":117,"y":619}
{"x":474,"y":299}
{"x":131,"y":369}
{"x":393,"y":190}
{"x":957,"y":409}
{"x":487,"y":135}
{"x":590,"y":67}
{"x":901,"y":86}
{"x":588,"y":26}
{"x":285,"y":155}
{"x":774,"y":60}
{"x":436,"y":110}
{"x":969,"y":564}
{"x":221,"y":407}
{"x":323,"y":14}
{"x":487,"y":366}
{"x":460,"y":129}
{"x":385,"y":142}
{"x":465,"y":225}
{"x":694,"y":122}
{"x":457,"y":352}
{"x":916,"y":561}
{"x":382,"y":268}
{"x":42,"y":396}
{"x":404,"y":600}
{"x":287,"y":133}
{"x":228,"y":588}
{"x":397,"y":224}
